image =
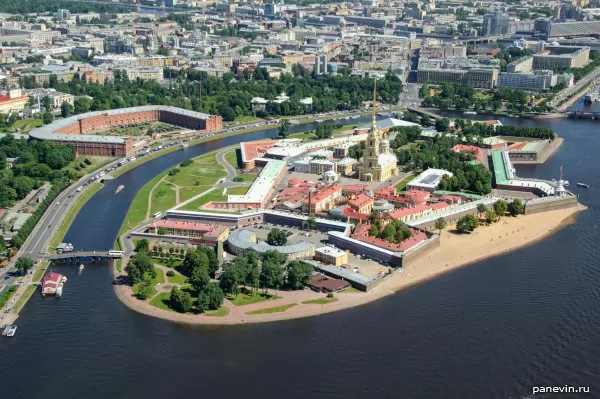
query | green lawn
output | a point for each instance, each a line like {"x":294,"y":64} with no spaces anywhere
{"x":160,"y":277}
{"x":165,"y":262}
{"x":139,"y":207}
{"x":24,"y":298}
{"x":185,"y":193}
{"x":80,"y":201}
{"x":177,"y":279}
{"x":246,"y":119}
{"x":27,"y":124}
{"x":221,"y":312}
{"x":204,"y":170}
{"x":400,"y":186}
{"x":242,"y":299}
{"x":118,"y":265}
{"x":351,"y":290}
{"x":214,"y":195}
{"x":162,"y":301}
{"x":232,"y":158}
{"x":275,"y":309}
{"x":96,"y":163}
{"x":322,"y":301}
{"x":163,"y":198}
{"x":248,"y":177}
{"x":40,"y":272}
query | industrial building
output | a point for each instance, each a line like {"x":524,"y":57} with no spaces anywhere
{"x":428,"y":180}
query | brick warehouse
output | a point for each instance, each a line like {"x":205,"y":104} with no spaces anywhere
{"x":73,"y":130}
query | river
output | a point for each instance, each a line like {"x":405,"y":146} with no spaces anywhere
{"x":492,"y":330}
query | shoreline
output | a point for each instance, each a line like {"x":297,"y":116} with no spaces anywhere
{"x":529,"y":230}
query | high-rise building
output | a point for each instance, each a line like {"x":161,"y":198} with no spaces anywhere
{"x":496,"y":23}
{"x":63,"y":14}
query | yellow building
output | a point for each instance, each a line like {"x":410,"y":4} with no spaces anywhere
{"x":378,"y":162}
{"x":331,"y":256}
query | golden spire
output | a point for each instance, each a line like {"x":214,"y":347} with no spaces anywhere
{"x":374,"y":107}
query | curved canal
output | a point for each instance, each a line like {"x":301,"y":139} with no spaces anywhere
{"x":492,"y":330}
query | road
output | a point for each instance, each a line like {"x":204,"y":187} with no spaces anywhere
{"x":410,"y":96}
{"x":575,"y":88}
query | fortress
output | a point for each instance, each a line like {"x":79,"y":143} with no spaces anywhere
{"x":75,"y":129}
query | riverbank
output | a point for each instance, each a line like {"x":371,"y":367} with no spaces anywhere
{"x":455,"y":251}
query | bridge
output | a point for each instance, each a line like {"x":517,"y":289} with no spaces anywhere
{"x":424,"y":112}
{"x":84,"y":256}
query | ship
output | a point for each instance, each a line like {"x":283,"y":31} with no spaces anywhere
{"x":10,"y":330}
{"x":119,"y":189}
{"x":52,"y":284}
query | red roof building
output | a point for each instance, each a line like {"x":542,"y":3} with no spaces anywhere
{"x":361,"y":233}
{"x":471,"y":149}
{"x":201,"y":233}
{"x":361,"y":203}
{"x":323,"y":200}
{"x":322,"y":283}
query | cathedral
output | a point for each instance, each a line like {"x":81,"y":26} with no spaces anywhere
{"x":378,"y":162}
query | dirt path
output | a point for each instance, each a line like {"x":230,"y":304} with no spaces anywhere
{"x":149,"y":210}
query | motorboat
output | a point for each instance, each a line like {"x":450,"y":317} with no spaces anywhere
{"x":10,"y":331}
{"x":583,"y":185}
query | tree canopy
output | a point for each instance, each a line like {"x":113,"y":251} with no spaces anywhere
{"x":276,"y":237}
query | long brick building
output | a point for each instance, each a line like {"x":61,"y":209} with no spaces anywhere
{"x":75,"y":129}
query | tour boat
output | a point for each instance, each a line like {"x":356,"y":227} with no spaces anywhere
{"x":119,"y":189}
{"x":583,"y":185}
{"x":9,"y":331}
{"x":51,"y":283}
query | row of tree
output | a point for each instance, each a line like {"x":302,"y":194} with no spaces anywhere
{"x":394,"y":232}
{"x":468,"y":223}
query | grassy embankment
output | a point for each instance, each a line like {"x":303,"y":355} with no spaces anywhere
{"x":24,"y":298}
{"x":402,"y":184}
{"x":40,"y":272}
{"x":72,"y":213}
{"x":275,"y":309}
{"x":321,"y":301}
{"x":244,"y":298}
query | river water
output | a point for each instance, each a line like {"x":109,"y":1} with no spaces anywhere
{"x":492,"y":330}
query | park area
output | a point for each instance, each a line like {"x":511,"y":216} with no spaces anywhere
{"x":139,"y":130}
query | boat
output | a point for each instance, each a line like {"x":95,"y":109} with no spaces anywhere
{"x":10,"y":331}
{"x":59,"y":290}
{"x":470,"y":113}
{"x":583,"y":185}
{"x":119,"y":189}
{"x":51,"y":283}
{"x":81,"y":267}
{"x":182,"y":145}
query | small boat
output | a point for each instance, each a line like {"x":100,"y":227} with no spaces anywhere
{"x":583,"y":185}
{"x":10,"y":331}
{"x":470,"y":113}
{"x":59,"y":290}
{"x":81,"y":267}
{"x":182,"y":145}
{"x":119,"y":189}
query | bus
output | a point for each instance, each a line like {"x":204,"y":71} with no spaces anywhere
{"x":115,"y":253}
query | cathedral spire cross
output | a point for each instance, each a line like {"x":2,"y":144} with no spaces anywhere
{"x":374,"y":106}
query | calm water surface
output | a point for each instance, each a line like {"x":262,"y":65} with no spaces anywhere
{"x":493,"y":330}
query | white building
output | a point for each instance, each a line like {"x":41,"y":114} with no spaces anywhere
{"x":428,"y":180}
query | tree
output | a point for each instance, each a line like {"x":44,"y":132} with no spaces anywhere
{"x":24,"y":264}
{"x":271,"y":275}
{"x":500,"y":207}
{"x":194,"y":260}
{"x":276,"y":237}
{"x":139,"y":264}
{"x":142,"y":245}
{"x":481,"y":209}
{"x":442,"y":125}
{"x":298,"y":274}
{"x":231,"y":278}
{"x":65,"y":109}
{"x":311,"y":222}
{"x":210,"y":297}
{"x":467,"y":224}
{"x":425,"y":120}
{"x":490,"y":216}
{"x":181,"y":301}
{"x":284,"y":128}
{"x":440,"y":224}
{"x":145,"y":290}
{"x":47,"y":117}
{"x":516,"y":207}
{"x":199,"y":278}
{"x":213,"y":262}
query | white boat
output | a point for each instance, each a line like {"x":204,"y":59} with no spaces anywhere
{"x":59,"y":290}
{"x":10,"y":331}
{"x":583,"y":185}
{"x":119,"y":189}
{"x":81,"y":267}
{"x":470,"y":113}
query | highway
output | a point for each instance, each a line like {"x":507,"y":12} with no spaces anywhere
{"x":574,"y":89}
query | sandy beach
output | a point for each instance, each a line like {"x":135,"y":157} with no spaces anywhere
{"x":455,"y":250}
